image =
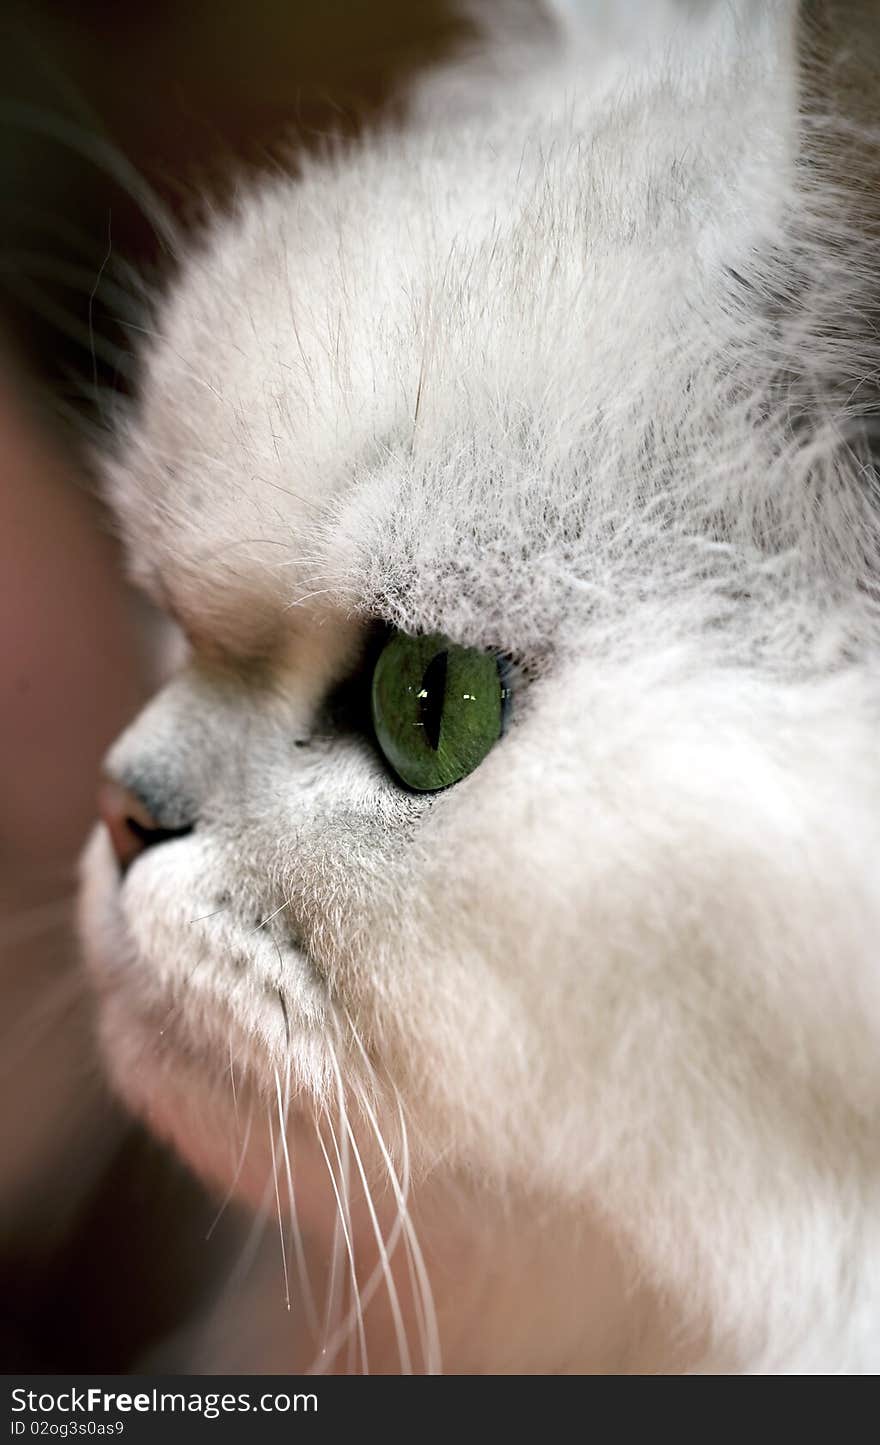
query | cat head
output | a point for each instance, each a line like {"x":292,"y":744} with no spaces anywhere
{"x":490,"y":398}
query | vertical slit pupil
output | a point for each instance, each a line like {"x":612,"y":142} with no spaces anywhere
{"x":431,"y":696}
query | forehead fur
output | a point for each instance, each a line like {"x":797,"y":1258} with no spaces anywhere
{"x":478,"y":380}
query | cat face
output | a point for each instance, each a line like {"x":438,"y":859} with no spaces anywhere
{"x":498,"y":385}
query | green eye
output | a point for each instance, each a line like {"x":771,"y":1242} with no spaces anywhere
{"x":437,"y":709}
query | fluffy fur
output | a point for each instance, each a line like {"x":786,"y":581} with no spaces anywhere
{"x":578,"y":364}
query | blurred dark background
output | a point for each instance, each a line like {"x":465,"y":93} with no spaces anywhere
{"x":114,"y":114}
{"x":114,"y":117}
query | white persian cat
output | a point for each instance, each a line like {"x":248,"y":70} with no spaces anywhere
{"x":493,"y":891}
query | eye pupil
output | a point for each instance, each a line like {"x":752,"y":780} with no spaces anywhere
{"x":431,"y":696}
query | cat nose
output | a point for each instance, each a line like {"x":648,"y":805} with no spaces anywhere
{"x":131,"y":826}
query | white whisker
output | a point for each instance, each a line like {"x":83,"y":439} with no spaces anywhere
{"x":432,"y":1343}
{"x":232,"y":1082}
{"x":268,"y":919}
{"x":278,"y":1206}
{"x":345,"y":1223}
{"x":231,"y":1190}
{"x":301,"y":1263}
{"x":397,"y":1316}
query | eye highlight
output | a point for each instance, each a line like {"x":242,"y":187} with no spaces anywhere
{"x":437,"y":708}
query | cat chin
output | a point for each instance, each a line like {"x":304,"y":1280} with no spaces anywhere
{"x":228,"y":1137}
{"x":177,"y":1101}
{"x":219,"y":1120}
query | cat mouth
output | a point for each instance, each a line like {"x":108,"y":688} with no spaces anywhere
{"x":200,"y":981}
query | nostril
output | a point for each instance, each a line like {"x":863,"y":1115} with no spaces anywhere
{"x":132,"y":827}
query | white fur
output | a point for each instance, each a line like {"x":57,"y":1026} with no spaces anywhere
{"x":572,"y":367}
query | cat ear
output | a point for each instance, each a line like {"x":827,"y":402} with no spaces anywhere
{"x":519,"y":19}
{"x":575,"y":12}
{"x":607,"y":16}
{"x":595,"y":14}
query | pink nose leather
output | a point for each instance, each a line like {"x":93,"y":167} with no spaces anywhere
{"x":131,"y":825}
